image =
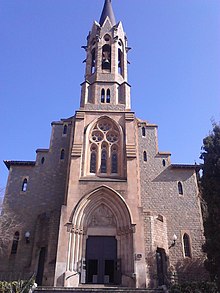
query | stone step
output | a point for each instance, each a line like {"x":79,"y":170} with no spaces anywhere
{"x":101,"y":289}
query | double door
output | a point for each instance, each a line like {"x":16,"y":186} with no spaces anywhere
{"x":101,"y":260}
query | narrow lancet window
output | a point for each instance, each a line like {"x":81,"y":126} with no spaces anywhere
{"x":106,"y":57}
{"x":62,"y":154}
{"x":180,"y":188}
{"x":145,"y":156}
{"x":104,"y":160}
{"x":102,"y":96}
{"x":143,"y":131}
{"x":93,"y":61}
{"x":65,"y":129}
{"x":24,"y":185}
{"x":15,"y":243}
{"x":93,"y":160}
{"x":108,"y":97}
{"x":164,"y":162}
{"x":186,"y":245}
{"x":119,"y":61}
{"x":114,"y":162}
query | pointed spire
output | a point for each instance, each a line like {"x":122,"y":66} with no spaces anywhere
{"x":107,"y":11}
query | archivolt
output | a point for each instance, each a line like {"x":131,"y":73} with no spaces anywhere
{"x":102,"y":196}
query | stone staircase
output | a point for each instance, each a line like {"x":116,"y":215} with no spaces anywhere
{"x":97,"y":289}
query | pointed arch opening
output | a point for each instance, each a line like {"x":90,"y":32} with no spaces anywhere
{"x":102,"y":96}
{"x":108,"y":96}
{"x":93,"y":159}
{"x":104,"y":156}
{"x":24,"y":185}
{"x":106,"y":57}
{"x":114,"y":159}
{"x":186,"y":245}
{"x":120,"y":58}
{"x":62,"y":154}
{"x":14,"y":247}
{"x":101,"y":215}
{"x":93,"y":60}
{"x":105,"y":147}
{"x":180,"y":188}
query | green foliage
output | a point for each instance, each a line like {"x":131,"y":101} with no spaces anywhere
{"x":21,"y":286}
{"x":195,"y":287}
{"x":210,"y":184}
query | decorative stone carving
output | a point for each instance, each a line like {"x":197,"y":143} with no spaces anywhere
{"x":102,"y":217}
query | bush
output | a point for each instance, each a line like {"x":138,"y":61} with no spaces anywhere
{"x":21,"y":286}
{"x":195,"y":287}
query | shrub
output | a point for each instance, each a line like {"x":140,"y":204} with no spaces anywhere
{"x":21,"y":286}
{"x":195,"y":287}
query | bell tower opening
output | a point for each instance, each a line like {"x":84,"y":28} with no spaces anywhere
{"x":106,"y":57}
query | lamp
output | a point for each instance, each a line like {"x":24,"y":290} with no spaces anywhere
{"x":27,"y":236}
{"x":174,"y":241}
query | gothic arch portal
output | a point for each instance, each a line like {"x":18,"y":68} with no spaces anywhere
{"x":102,"y":214}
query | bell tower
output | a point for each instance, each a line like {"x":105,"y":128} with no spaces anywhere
{"x":105,"y":86}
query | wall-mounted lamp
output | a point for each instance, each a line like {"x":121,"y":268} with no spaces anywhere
{"x":174,"y":241}
{"x":27,"y":236}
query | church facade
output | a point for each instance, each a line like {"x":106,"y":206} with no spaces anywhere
{"x":102,"y":205}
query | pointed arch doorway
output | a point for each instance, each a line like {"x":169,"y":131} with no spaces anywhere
{"x":101,"y":238}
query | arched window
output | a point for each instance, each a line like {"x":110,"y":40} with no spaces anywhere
{"x":102,"y":96}
{"x":186,"y":245}
{"x":180,"y":188}
{"x":62,"y":154}
{"x":104,"y":151}
{"x":143,"y":131}
{"x":104,"y":160}
{"x":114,"y":160}
{"x":108,"y":97}
{"x":93,"y":61}
{"x":164,"y":162}
{"x":15,"y":243}
{"x":119,"y":61}
{"x":42,"y":160}
{"x":106,"y":57}
{"x":145,"y":156}
{"x":24,"y":185}
{"x":65,"y":129}
{"x":93,"y":160}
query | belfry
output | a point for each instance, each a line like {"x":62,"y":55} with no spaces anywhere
{"x":107,"y":207}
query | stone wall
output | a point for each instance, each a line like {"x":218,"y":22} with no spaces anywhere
{"x":37,"y":209}
{"x":166,"y":212}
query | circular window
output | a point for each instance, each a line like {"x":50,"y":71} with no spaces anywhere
{"x":97,"y":136}
{"x":107,"y":38}
{"x":104,"y":125}
{"x":112,"y":137}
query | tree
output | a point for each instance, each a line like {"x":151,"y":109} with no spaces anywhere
{"x":9,"y":224}
{"x":210,"y":184}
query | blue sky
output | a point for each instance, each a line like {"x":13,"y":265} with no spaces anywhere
{"x":174,"y":70}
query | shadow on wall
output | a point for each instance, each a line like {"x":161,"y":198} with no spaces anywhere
{"x":190,"y":270}
{"x":186,"y":270}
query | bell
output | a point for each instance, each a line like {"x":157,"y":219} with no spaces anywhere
{"x":106,"y":61}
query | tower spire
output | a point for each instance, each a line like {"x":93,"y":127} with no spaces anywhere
{"x":107,"y":11}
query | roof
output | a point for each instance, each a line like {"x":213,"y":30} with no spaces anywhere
{"x":107,"y":11}
{"x":19,"y":163}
